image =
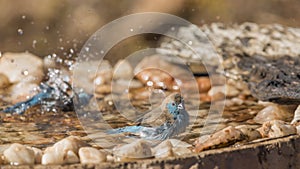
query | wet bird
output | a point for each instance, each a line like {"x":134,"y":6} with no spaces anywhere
{"x":170,"y":128}
{"x":50,"y":97}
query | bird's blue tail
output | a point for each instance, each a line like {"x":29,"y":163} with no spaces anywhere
{"x":131,"y":129}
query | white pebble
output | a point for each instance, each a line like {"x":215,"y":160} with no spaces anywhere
{"x":277,"y":128}
{"x":163,"y":150}
{"x":90,"y":155}
{"x":18,"y":154}
{"x":274,"y":112}
{"x":136,"y":150}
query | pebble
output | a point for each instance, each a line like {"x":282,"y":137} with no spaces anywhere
{"x":203,"y":84}
{"x":156,"y":71}
{"x":224,"y":137}
{"x":277,"y":128}
{"x":296,"y":118}
{"x":38,"y":153}
{"x":18,"y":154}
{"x":123,"y":70}
{"x":139,"y":149}
{"x":4,"y":81}
{"x":63,"y":152}
{"x":22,"y":67}
{"x":90,"y":73}
{"x":90,"y":155}
{"x":180,"y":151}
{"x":163,"y":150}
{"x":274,"y":112}
{"x":21,"y":92}
{"x":228,"y":90}
{"x":249,"y":132}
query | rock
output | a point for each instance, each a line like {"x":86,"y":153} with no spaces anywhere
{"x":156,"y":71}
{"x":156,"y":78}
{"x":37,"y":155}
{"x":63,"y":152}
{"x":228,"y":90}
{"x":180,"y":151}
{"x":233,"y":102}
{"x":18,"y":154}
{"x":296,"y":119}
{"x":89,"y":73}
{"x":225,"y":137}
{"x":179,"y":143}
{"x":103,"y":89}
{"x":203,"y":84}
{"x":249,"y":132}
{"x":90,"y":155}
{"x":22,"y":67}
{"x":274,"y":112}
{"x":139,"y":149}
{"x":4,"y":81}
{"x":21,"y":92}
{"x":277,"y":128}
{"x":163,"y":150}
{"x":123,"y":70}
{"x":71,"y":158}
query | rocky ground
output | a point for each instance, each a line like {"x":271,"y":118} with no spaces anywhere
{"x":51,"y":136}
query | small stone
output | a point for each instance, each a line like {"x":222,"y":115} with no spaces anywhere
{"x":277,"y":128}
{"x":103,"y":89}
{"x":203,"y":84}
{"x":21,"y":92}
{"x":90,"y":155}
{"x":4,"y":81}
{"x":274,"y":112}
{"x":123,"y":70}
{"x":90,"y":73}
{"x":228,"y":90}
{"x":225,"y":137}
{"x":163,"y":150}
{"x":18,"y":154}
{"x":179,"y":143}
{"x":249,"y":132}
{"x":136,"y":150}
{"x":180,"y":151}
{"x":37,"y":155}
{"x":71,"y":158}
{"x":22,"y":67}
{"x":63,"y":152}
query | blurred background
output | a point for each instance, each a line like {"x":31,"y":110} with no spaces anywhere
{"x":62,"y":26}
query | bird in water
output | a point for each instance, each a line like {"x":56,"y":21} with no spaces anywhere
{"x":50,"y":96}
{"x":171,"y":127}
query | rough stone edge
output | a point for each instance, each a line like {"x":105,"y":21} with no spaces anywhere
{"x":276,"y":153}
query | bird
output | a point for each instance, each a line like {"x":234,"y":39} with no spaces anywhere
{"x":178,"y":124}
{"x":50,"y":96}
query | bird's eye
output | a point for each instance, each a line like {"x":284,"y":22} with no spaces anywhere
{"x":173,"y":104}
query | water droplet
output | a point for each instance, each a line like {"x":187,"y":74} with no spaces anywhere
{"x":25,"y":72}
{"x":131,"y":30}
{"x":20,"y":32}
{"x":23,"y":16}
{"x":101,"y":51}
{"x":34,"y":43}
{"x":190,"y":42}
{"x":71,"y":50}
{"x":149,"y":83}
{"x":87,"y":49}
{"x":47,"y":27}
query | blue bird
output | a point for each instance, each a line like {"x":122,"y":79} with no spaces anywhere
{"x":168,"y":129}
{"x":51,"y":96}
